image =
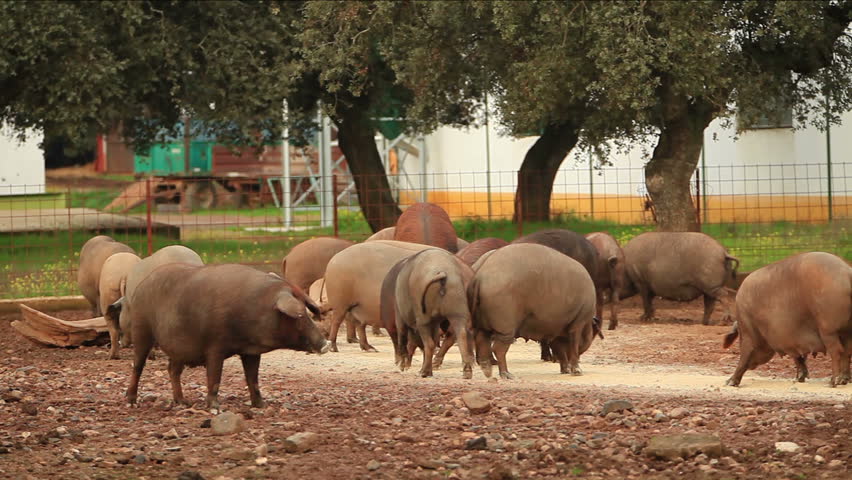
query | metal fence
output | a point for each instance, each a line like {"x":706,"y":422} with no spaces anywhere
{"x":760,"y":213}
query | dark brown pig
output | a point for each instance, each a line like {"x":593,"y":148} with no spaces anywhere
{"x":471,"y":253}
{"x":577,"y":247}
{"x":797,"y":306}
{"x":533,"y":292}
{"x":201,"y":315}
{"x":428,"y":224}
{"x":92,"y":257}
{"x":678,"y":266}
{"x":610,"y":272}
{"x":430,"y":288}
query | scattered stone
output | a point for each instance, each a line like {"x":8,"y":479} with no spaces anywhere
{"x":678,"y":412}
{"x":835,"y":464}
{"x":786,"y":447}
{"x":190,"y":475}
{"x":373,"y":465}
{"x":13,"y":396}
{"x":29,"y":408}
{"x":261,"y":450}
{"x":475,"y":402}
{"x":261,"y":461}
{"x":205,"y":423}
{"x":616,"y":406}
{"x":430,"y":464}
{"x":171,"y":434}
{"x":90,"y":433}
{"x":226,"y":423}
{"x":140,"y":459}
{"x":684,"y":446}
{"x":478,"y":443}
{"x":823,"y":450}
{"x":819,"y":459}
{"x":238,"y":454}
{"x":300,"y":442}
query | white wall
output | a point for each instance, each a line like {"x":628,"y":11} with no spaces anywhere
{"x":777,"y":161}
{"x":21,"y":164}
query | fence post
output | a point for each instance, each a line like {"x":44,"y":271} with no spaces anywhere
{"x":334,"y":205}
{"x":149,"y":224}
{"x":519,"y":208}
{"x":70,"y":227}
{"x":828,"y":160}
{"x":698,"y":197}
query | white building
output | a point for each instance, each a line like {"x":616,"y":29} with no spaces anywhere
{"x":21,"y":164}
{"x":765,"y":174}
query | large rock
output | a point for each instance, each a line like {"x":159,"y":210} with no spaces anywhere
{"x":301,"y":442}
{"x":226,"y":423}
{"x":786,"y":447}
{"x":475,"y":402}
{"x":617,"y":406}
{"x":684,"y":445}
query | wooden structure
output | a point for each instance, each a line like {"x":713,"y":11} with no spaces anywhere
{"x":46,"y":330}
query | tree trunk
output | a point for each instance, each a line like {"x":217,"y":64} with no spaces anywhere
{"x":668,"y":174}
{"x":357,"y":142}
{"x":538,"y":171}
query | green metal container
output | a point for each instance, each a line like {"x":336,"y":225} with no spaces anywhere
{"x":168,"y":158}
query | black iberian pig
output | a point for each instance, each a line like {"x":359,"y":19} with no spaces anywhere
{"x":678,"y":266}
{"x":797,"y":306}
{"x":201,"y":315}
{"x":534,"y":292}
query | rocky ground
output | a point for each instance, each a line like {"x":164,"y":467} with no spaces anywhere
{"x":351,"y":415}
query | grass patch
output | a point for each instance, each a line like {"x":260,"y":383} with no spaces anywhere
{"x":40,"y":264}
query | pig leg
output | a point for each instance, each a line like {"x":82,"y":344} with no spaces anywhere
{"x":350,"y":331}
{"x":144,"y":344}
{"x":500,"y":347}
{"x":403,"y":362}
{"x":709,"y":304}
{"x":572,"y":352}
{"x":560,"y":351}
{"x":647,"y":303}
{"x":834,"y":347}
{"x":546,"y":354}
{"x":377,"y":331}
{"x":449,"y":341}
{"x":428,"y":338}
{"x":464,"y":347}
{"x":751,"y":357}
{"x":251,"y":366}
{"x":801,"y":369}
{"x":112,"y":327}
{"x":362,"y":338}
{"x":483,"y":351}
{"x":214,"y":379}
{"x":599,"y":302}
{"x":175,"y":371}
{"x":336,"y":320}
{"x":613,"y":309}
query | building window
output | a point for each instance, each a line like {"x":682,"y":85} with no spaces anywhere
{"x":775,"y":113}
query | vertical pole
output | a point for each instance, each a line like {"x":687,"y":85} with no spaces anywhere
{"x":703,"y":181}
{"x":70,"y":226}
{"x":325,"y":171}
{"x":334,"y":202}
{"x":592,"y":184}
{"x":520,"y":208}
{"x":488,"y":156}
{"x":187,"y":145}
{"x":149,"y":224}
{"x":286,"y":195}
{"x":425,"y":186}
{"x":698,"y":197}
{"x":828,"y":160}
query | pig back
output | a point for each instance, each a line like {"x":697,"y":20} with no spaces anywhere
{"x":163,"y":256}
{"x":533,"y":285}
{"x":113,"y":274}
{"x":94,"y":253}
{"x":306,"y":262}
{"x":428,"y":224}
{"x":568,"y":243}
{"x":677,"y":265}
{"x":383,"y":234}
{"x":471,"y":253}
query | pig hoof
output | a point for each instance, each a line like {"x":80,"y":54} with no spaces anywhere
{"x":611,"y":327}
{"x":467,"y":374}
{"x":350,"y":340}
{"x":732,"y":383}
{"x":425,"y":374}
{"x":506,"y":376}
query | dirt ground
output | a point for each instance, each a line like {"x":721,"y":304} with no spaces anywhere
{"x":376,"y":422}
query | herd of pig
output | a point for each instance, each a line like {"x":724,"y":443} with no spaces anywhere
{"x":430,"y":289}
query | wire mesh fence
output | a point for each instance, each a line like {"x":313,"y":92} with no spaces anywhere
{"x":760,"y":213}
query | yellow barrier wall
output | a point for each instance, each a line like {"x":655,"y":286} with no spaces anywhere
{"x":629,"y":208}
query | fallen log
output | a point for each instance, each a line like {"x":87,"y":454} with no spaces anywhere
{"x":43,"y":329}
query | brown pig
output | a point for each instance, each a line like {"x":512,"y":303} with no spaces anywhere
{"x":353,"y":284}
{"x":92,"y":257}
{"x":140,"y":271}
{"x":610,"y":272}
{"x":471,"y":253}
{"x":534,"y":292}
{"x":797,"y":306}
{"x":201,"y":315}
{"x":428,"y":224}
{"x":430,"y":289}
{"x":306,"y":262}
{"x":112,"y":286}
{"x":383,"y":234}
{"x":678,"y":266}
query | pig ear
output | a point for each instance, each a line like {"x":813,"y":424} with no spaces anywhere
{"x":309,"y":302}
{"x":289,"y":305}
{"x":612,"y":261}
